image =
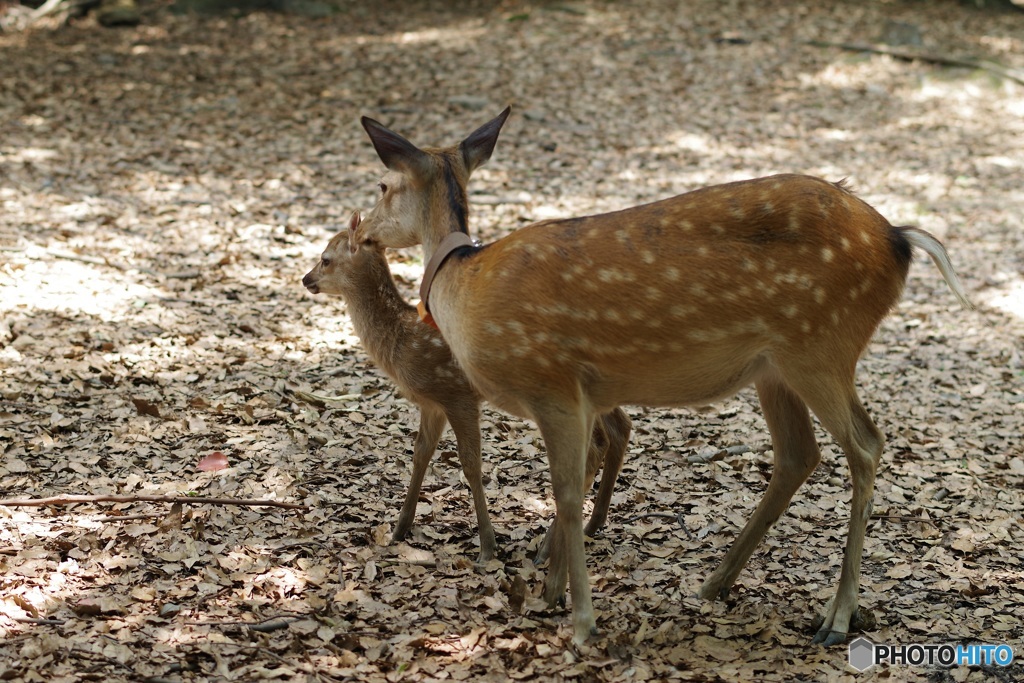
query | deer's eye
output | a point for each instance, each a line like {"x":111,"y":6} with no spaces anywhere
{"x":383,"y":188}
{"x":325,"y":262}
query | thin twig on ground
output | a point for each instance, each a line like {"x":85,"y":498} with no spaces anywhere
{"x":38,"y":621}
{"x":908,"y":55}
{"x":74,"y":500}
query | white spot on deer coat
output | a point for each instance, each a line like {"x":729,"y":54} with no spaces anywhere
{"x":705,"y":335}
{"x":682,"y":310}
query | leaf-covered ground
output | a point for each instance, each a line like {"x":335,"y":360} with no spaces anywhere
{"x":165,"y":187}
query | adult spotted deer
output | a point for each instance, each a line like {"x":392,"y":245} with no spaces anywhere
{"x":417,"y":359}
{"x":778,"y":281}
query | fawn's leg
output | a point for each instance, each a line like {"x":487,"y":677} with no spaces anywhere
{"x":432,"y":423}
{"x":796,"y":456}
{"x":566,"y":428}
{"x":465,"y":422}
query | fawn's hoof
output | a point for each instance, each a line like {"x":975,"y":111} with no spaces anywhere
{"x":710,"y":591}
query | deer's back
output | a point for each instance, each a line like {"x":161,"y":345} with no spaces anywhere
{"x":679,"y":301}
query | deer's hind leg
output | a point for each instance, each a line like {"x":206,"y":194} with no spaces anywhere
{"x":796,"y":456}
{"x":606,"y":452}
{"x":844,"y":417}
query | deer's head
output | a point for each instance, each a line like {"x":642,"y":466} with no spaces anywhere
{"x":423,"y":194}
{"x":341,"y":269}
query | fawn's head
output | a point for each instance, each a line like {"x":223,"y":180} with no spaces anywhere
{"x":340,"y":268}
{"x":423,"y":188}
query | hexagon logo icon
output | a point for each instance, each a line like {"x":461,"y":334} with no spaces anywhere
{"x":862,"y":654}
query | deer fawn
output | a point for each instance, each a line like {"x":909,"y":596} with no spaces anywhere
{"x":417,"y":359}
{"x":778,"y":281}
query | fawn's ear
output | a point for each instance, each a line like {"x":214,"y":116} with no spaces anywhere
{"x":397,"y":153}
{"x":477,"y":148}
{"x":353,"y":227}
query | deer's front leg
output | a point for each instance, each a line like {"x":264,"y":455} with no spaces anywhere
{"x":566,"y":430}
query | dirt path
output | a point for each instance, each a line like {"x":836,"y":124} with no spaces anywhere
{"x":164,"y":188}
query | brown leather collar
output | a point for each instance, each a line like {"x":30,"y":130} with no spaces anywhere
{"x":453,"y":241}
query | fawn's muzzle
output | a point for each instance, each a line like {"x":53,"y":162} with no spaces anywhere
{"x":309,"y":282}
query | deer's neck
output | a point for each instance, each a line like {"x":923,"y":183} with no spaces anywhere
{"x":450,"y":212}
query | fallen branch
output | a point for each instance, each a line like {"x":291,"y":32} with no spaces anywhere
{"x":74,"y":500}
{"x":38,"y":621}
{"x":266,"y":626}
{"x":910,"y":56}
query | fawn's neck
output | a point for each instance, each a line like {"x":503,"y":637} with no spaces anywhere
{"x":379,"y":314}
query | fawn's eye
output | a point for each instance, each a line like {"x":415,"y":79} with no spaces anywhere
{"x":324,"y":261}
{"x":383,"y":188}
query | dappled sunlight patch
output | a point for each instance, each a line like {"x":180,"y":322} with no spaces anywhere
{"x":28,"y":155}
{"x":1009,"y":298}
{"x":447,"y":35}
{"x":66,"y":286}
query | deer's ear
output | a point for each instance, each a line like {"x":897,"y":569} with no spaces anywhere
{"x":477,"y":148}
{"x":397,"y":153}
{"x":354,"y":220}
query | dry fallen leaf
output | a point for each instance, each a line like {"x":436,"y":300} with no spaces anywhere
{"x":145,"y":407}
{"x":213,"y":462}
